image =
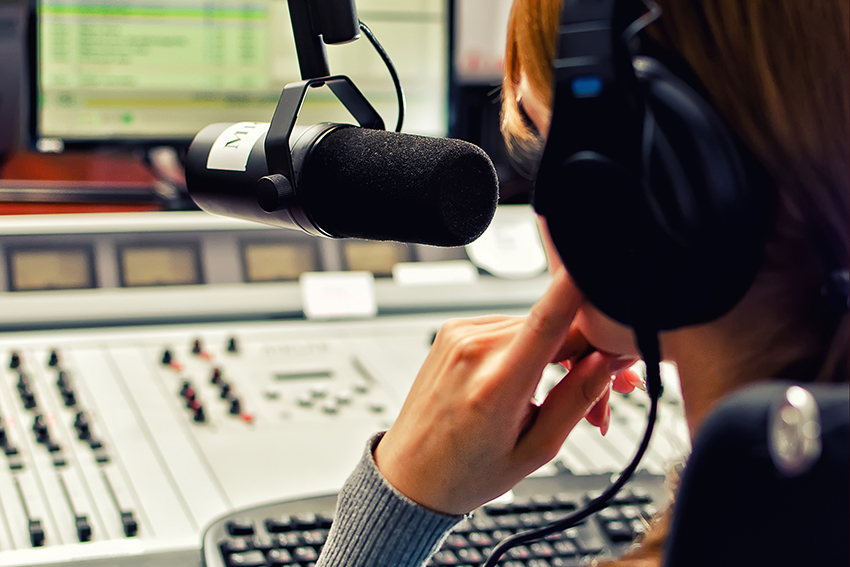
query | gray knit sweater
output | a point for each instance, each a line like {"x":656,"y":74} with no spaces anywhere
{"x":377,"y":526}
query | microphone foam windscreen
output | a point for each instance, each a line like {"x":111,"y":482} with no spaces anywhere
{"x":379,"y":185}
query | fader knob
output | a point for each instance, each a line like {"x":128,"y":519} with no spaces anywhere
{"x":63,"y":382}
{"x":54,"y":358}
{"x":131,"y":527}
{"x":39,"y":426}
{"x":14,"y":360}
{"x":81,"y":424}
{"x":36,"y":533}
{"x":232,"y":345}
{"x":166,"y":357}
{"x":196,"y":347}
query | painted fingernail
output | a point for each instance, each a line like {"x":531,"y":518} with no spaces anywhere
{"x":620,"y":363}
{"x":604,"y":427}
{"x":636,"y":381}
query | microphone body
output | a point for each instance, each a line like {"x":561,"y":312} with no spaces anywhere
{"x":349,"y":182}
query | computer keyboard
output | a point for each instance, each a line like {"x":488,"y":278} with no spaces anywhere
{"x":291,"y":534}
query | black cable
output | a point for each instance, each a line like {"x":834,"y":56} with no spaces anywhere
{"x":393,"y":73}
{"x":648,"y":345}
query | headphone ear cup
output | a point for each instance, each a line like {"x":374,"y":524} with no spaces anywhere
{"x":709,"y":198}
{"x":678,"y":246}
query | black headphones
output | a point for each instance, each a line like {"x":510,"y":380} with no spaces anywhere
{"x":656,"y":208}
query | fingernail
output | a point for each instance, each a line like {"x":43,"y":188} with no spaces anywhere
{"x":620,"y":363}
{"x":607,"y":422}
{"x":636,"y":381}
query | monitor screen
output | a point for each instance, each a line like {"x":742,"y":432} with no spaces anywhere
{"x":161,"y":70}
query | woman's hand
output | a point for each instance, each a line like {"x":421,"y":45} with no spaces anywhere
{"x":469,"y":430}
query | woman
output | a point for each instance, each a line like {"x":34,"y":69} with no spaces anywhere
{"x":778,"y":72}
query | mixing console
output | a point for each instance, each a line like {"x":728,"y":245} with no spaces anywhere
{"x":122,"y":443}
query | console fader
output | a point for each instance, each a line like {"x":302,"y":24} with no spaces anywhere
{"x":121,"y":442}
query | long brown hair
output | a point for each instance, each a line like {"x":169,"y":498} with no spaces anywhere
{"x":778,"y":71}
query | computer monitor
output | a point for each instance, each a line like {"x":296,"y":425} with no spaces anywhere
{"x":158,"y":71}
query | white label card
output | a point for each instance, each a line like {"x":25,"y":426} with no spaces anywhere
{"x":338,"y":295}
{"x":231,"y":149}
{"x":435,"y":273}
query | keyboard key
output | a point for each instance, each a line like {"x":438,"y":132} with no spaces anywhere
{"x":315,"y":537}
{"x":456,"y":541}
{"x":531,"y":520}
{"x":470,"y":555}
{"x":247,"y":559}
{"x":240,"y":527}
{"x":508,"y":522}
{"x":543,"y":503}
{"x":588,"y":540}
{"x":465,"y":527}
{"x":279,"y":558}
{"x":480,"y":539}
{"x":279,"y":525}
{"x":306,"y":521}
{"x":565,"y":562}
{"x":233,"y":545}
{"x":445,"y":557}
{"x":618,"y":531}
{"x":519,"y":552}
{"x":630,"y":512}
{"x":289,"y":539}
{"x":565,"y":548}
{"x":304,"y":554}
{"x":541,"y":550}
{"x":482,"y":523}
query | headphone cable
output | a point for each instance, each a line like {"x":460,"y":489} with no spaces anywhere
{"x":648,"y":345}
{"x":393,"y":73}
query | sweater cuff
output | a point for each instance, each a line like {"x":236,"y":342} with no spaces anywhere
{"x":376,"y":525}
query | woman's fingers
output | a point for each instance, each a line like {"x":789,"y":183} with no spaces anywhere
{"x":565,"y":405}
{"x":628,"y":380}
{"x":600,"y":412}
{"x":542,"y":335}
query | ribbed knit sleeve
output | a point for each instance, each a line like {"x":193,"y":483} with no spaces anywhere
{"x":377,"y":526}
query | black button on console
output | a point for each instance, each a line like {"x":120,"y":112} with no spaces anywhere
{"x":14,"y":360}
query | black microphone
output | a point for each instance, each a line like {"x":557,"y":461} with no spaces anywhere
{"x":349,"y":182}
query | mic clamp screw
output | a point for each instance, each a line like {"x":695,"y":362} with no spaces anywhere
{"x":274,"y":192}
